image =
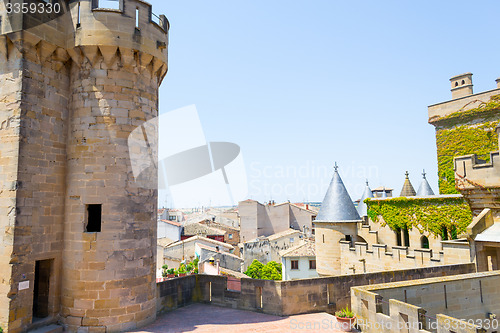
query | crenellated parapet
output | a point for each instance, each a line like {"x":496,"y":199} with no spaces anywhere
{"x":130,"y":36}
{"x":479,"y":180}
{"x":473,"y":173}
{"x":367,"y":258}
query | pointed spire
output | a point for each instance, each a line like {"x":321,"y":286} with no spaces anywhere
{"x":337,"y":205}
{"x":362,"y":208}
{"x":424,"y":190}
{"x":407,"y":190}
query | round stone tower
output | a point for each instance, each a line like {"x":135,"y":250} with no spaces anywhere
{"x":119,"y":58}
{"x":78,"y":240}
{"x":336,"y":221}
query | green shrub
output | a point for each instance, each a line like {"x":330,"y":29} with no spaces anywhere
{"x":164,"y":270}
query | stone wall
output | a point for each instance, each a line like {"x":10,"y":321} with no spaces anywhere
{"x":465,"y":297}
{"x":363,"y":257}
{"x":284,"y":298}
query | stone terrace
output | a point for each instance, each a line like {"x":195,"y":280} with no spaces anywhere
{"x":210,"y":318}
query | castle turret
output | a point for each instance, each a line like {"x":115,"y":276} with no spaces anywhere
{"x":337,"y":220}
{"x":362,"y":207}
{"x":407,"y":190}
{"x":80,"y":231}
{"x":424,"y":190}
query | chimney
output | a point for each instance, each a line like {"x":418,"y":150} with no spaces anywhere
{"x":461,"y":85}
{"x":498,"y":82}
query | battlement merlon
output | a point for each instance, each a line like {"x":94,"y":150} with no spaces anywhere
{"x":132,"y":27}
{"x":472,"y":173}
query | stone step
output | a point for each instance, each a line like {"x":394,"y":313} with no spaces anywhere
{"x":48,"y":329}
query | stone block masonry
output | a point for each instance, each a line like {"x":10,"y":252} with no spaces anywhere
{"x":78,"y":241}
{"x":284,"y":298}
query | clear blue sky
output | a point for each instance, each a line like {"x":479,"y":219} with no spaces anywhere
{"x":302,"y":84}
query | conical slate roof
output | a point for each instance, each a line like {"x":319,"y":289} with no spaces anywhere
{"x":424,"y":190}
{"x":337,"y":205}
{"x":407,"y":190}
{"x":362,"y":208}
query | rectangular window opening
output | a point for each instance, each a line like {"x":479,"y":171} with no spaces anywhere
{"x":295,"y":264}
{"x":137,"y":18}
{"x":94,"y":215}
{"x":312,"y":264}
{"x":398,"y":237}
{"x":78,"y":17}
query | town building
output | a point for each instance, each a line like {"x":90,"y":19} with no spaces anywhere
{"x":232,"y":235}
{"x":169,"y":229}
{"x":258,"y":220}
{"x":224,"y":259}
{"x":189,"y":249}
{"x":199,"y":229}
{"x":266,"y":249}
{"x":299,"y":262}
{"x":171,"y":215}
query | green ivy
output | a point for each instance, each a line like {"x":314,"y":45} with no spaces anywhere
{"x":462,"y":140}
{"x":465,"y":133}
{"x":431,"y":214}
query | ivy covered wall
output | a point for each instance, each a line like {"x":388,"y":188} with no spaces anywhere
{"x":436,"y":215}
{"x":464,"y":133}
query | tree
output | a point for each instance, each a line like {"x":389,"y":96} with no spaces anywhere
{"x":270,"y":271}
{"x":255,"y":269}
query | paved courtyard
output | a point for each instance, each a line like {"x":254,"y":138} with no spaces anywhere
{"x":209,"y":318}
